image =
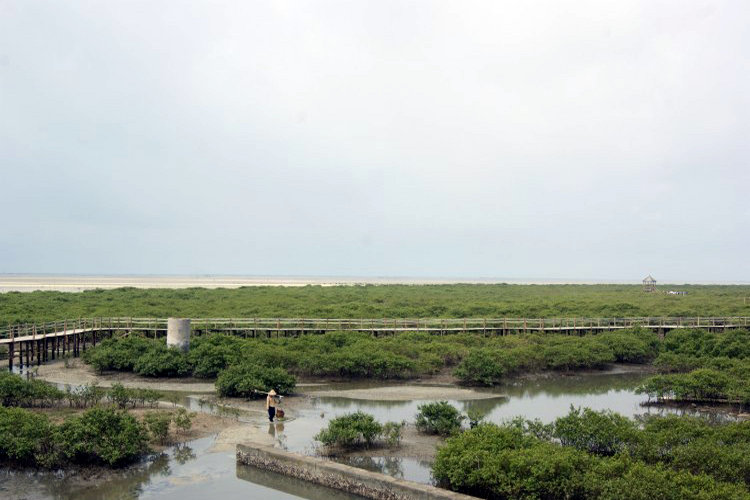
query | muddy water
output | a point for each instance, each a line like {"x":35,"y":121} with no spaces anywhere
{"x":198,"y":470}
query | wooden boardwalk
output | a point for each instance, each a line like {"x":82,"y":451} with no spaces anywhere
{"x":37,"y":343}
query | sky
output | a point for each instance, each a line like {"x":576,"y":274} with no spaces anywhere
{"x":522,"y":139}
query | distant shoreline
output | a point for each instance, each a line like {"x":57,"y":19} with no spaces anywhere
{"x":77,"y":283}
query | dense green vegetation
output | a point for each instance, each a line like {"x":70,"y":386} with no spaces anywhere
{"x":499,"y":357}
{"x":245,"y":365}
{"x":393,"y":301}
{"x":589,"y":454}
{"x":251,"y":380}
{"x":699,"y":366}
{"x":359,"y":430}
{"x":101,"y":436}
{"x":104,"y":434}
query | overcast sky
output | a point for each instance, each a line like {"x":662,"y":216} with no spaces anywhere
{"x":526,"y":139}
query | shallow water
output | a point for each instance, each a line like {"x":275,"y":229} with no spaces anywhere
{"x":195,"y":471}
{"x":184,"y":472}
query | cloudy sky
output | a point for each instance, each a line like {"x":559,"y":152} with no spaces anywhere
{"x":525,"y":139}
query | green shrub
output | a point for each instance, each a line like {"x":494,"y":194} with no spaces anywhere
{"x":15,"y":391}
{"x":439,"y":417}
{"x":492,"y":461}
{"x":704,"y":384}
{"x":622,"y":479}
{"x":162,"y":362}
{"x":25,"y":437}
{"x":247,"y":380}
{"x":157,"y":424}
{"x":670,"y":362}
{"x":475,"y":416}
{"x":84,"y":396}
{"x":183,"y":419}
{"x":598,"y":432}
{"x":211,"y":354}
{"x":102,"y":436}
{"x":573,"y":353}
{"x":354,"y":430}
{"x":631,"y":346}
{"x":485,"y":367}
{"x":510,"y":461}
{"x":120,"y":395}
{"x":125,"y":397}
{"x":392,"y":432}
{"x":120,"y":353}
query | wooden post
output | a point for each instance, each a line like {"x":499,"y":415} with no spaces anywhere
{"x":33,"y":343}
{"x":11,"y":353}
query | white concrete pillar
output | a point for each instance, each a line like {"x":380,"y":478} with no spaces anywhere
{"x":178,"y":333}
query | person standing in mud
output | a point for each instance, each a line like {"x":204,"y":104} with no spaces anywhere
{"x":271,"y":405}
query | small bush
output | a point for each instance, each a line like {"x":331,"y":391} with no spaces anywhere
{"x":183,"y":420}
{"x":25,"y":437}
{"x":475,"y":416}
{"x":120,"y":395}
{"x":392,"y":432}
{"x":438,"y":418}
{"x":15,"y":391}
{"x":158,"y":425}
{"x":355,"y":430}
{"x":485,"y":367}
{"x":102,"y":436}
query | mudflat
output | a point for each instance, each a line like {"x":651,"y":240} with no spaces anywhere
{"x":407,"y":393}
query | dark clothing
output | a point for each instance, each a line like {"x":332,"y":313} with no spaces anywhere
{"x":271,"y":413}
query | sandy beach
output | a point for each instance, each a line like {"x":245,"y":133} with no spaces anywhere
{"x":79,"y":283}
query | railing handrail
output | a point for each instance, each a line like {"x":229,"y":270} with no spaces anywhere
{"x":410,"y":323}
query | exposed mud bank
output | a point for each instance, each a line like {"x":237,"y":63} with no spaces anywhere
{"x":79,"y":373}
{"x":406,"y":393}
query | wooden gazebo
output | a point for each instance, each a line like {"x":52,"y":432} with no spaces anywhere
{"x":649,"y":284}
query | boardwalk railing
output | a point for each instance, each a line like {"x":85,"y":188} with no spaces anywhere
{"x":374,"y":325}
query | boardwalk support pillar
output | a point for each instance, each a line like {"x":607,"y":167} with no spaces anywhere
{"x":178,"y":333}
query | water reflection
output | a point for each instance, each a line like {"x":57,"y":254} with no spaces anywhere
{"x":545,"y":399}
{"x":398,"y":467}
{"x":183,"y":454}
{"x":290,"y":485}
{"x":276,"y":431}
{"x":125,"y":484}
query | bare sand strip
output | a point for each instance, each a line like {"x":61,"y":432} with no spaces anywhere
{"x":78,"y":373}
{"x":407,"y":393}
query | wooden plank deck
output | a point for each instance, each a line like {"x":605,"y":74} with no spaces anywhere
{"x":25,"y":333}
{"x":38,"y":343}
